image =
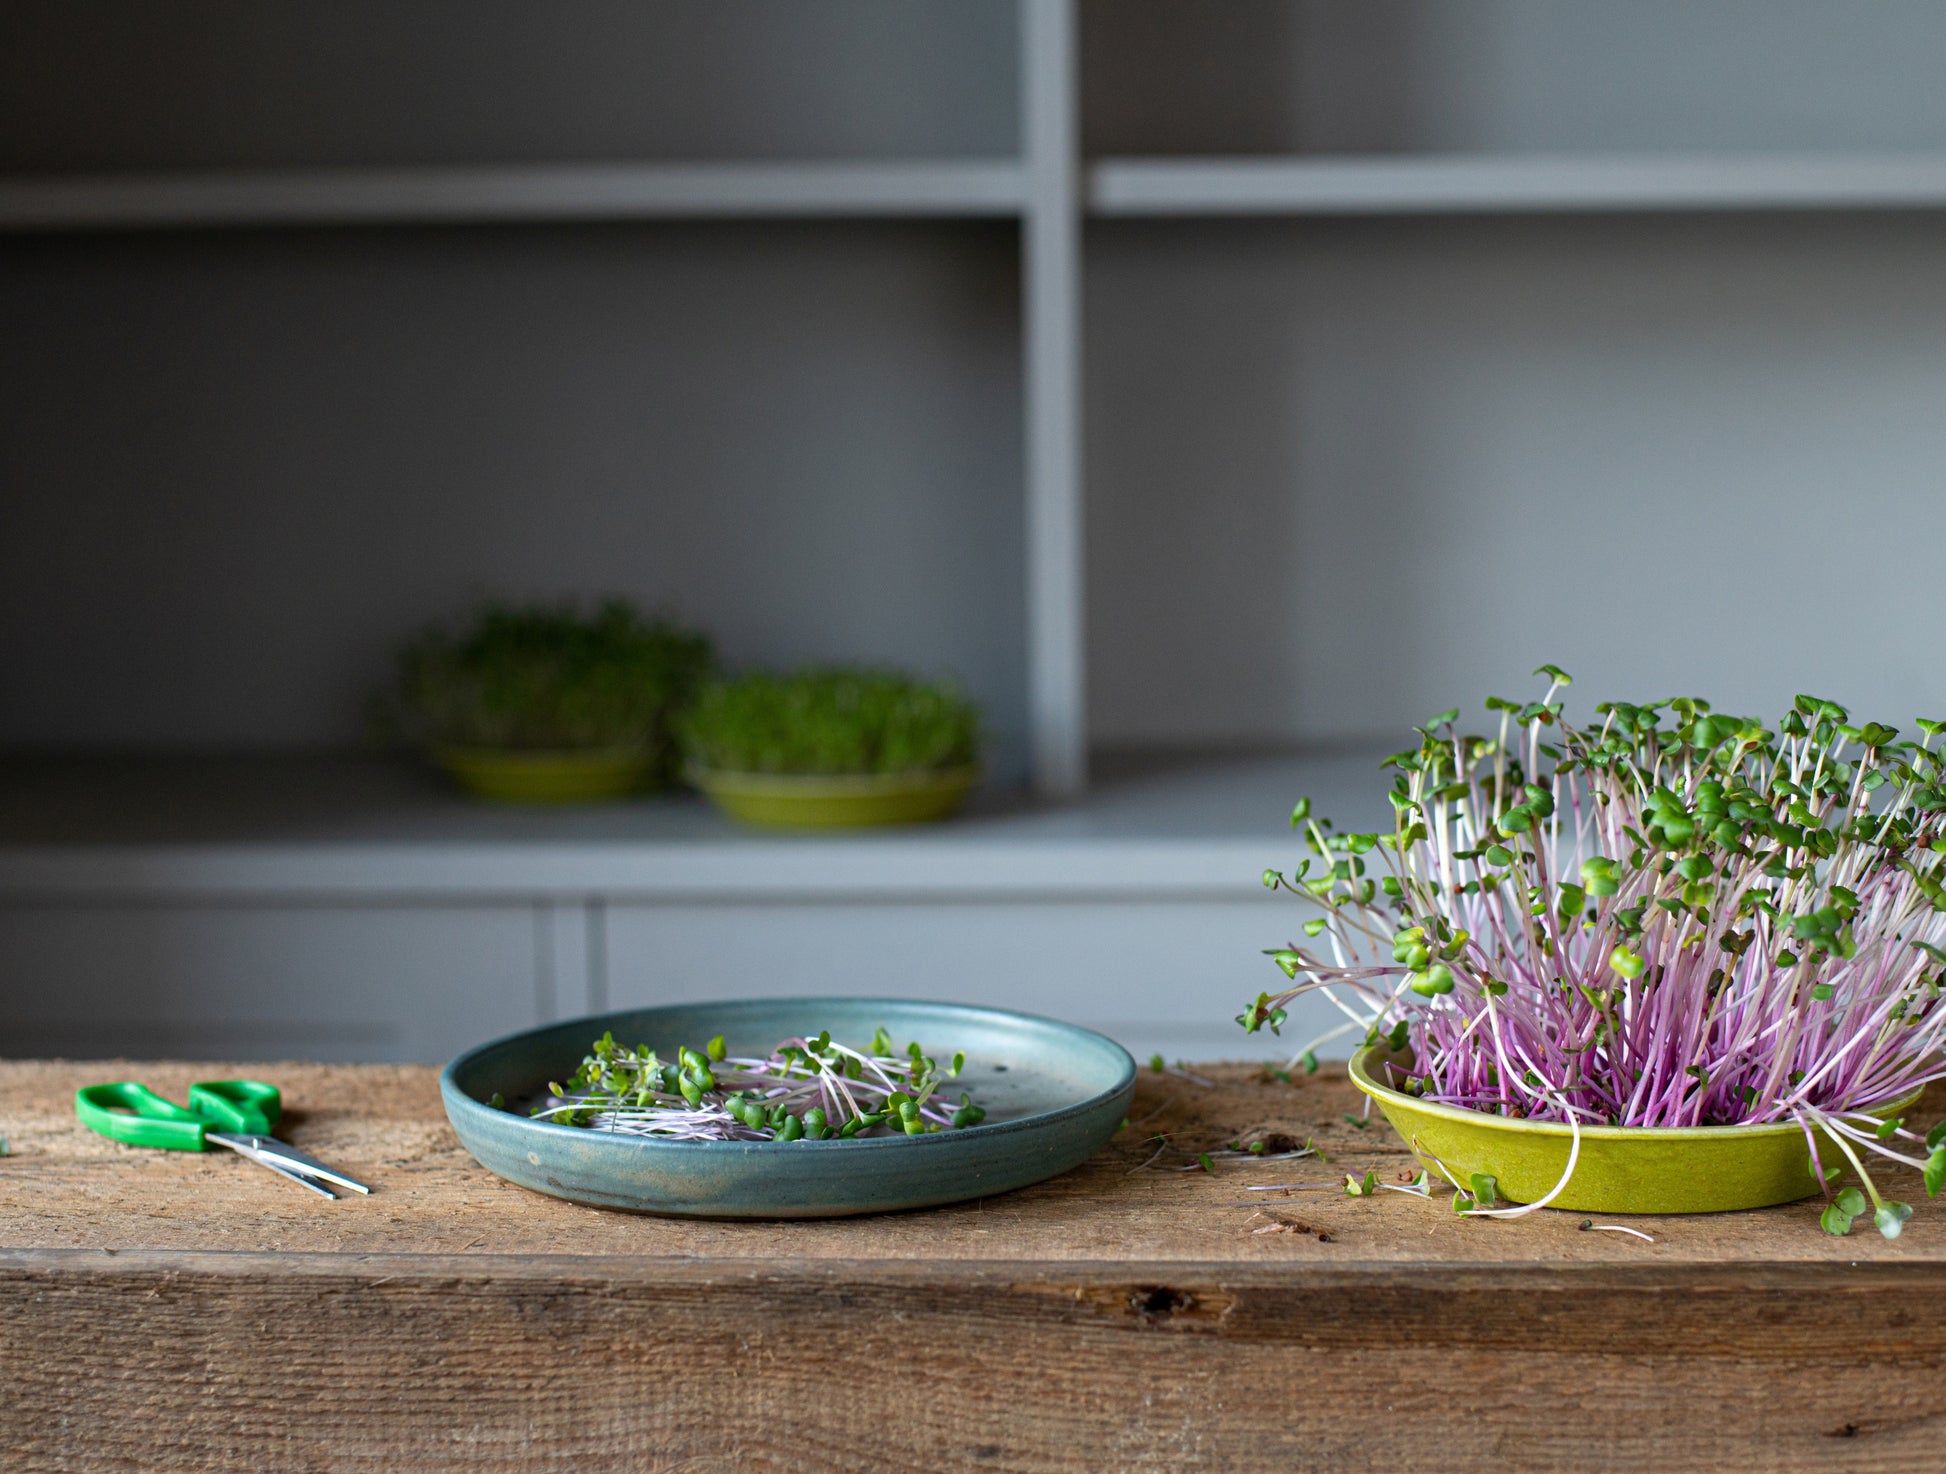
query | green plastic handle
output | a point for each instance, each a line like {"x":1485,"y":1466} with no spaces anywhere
{"x":248,"y":1107}
{"x":135,"y":1114}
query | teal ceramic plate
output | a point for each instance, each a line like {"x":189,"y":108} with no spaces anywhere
{"x":1054,"y":1094}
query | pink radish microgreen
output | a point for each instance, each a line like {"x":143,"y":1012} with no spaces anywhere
{"x":806,"y":1089}
{"x":1668,"y":917}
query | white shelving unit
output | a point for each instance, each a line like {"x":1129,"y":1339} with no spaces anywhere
{"x":1189,"y":376}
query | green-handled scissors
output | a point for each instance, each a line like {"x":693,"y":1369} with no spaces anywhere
{"x":238,"y":1114}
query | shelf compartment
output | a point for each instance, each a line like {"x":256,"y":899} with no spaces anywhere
{"x":1476,"y":185}
{"x":804,"y":439}
{"x":1511,"y":78}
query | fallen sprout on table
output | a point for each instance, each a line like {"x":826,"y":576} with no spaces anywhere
{"x":1157,"y":1065}
{"x":1275,"y":1146}
{"x":806,"y":1089}
{"x":1672,"y":917}
{"x":1419,"y":1187}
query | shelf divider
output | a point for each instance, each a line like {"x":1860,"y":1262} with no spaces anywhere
{"x":1477,"y":185}
{"x":452,"y":194}
{"x":1051,"y":293}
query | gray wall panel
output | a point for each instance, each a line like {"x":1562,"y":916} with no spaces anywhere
{"x":1157,"y":976}
{"x":240,"y":467}
{"x":263,"y":982}
{"x":123,"y":84}
{"x":1343,"y":475}
{"x":1513,"y":76}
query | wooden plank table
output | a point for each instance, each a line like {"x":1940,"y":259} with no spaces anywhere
{"x":166,"y":1311}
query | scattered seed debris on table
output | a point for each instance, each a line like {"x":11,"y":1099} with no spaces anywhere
{"x":1127,"y":1315}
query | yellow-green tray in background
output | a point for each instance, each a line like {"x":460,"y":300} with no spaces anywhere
{"x":563,"y":777}
{"x":835,"y":800}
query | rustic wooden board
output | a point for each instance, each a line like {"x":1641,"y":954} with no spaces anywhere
{"x":164,"y":1311}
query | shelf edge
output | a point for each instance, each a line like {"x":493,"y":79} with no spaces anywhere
{"x":1539,"y":184}
{"x":514,"y":193}
{"x":1213,"y":869}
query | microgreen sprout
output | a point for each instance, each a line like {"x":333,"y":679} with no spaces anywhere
{"x":550,"y":678}
{"x":1161,"y":1146}
{"x":1159,"y":1066}
{"x":832,"y":719}
{"x":1272,"y":1146}
{"x":1419,"y":1187}
{"x":1669,"y":917}
{"x":806,"y":1089}
{"x":1275,"y":1147}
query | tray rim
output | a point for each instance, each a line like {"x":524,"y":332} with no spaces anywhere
{"x":1359,"y":1069}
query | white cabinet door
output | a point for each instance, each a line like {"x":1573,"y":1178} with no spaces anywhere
{"x":264,"y":982}
{"x":1167,"y":976}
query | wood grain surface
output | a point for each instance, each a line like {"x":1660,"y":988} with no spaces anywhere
{"x":175,"y":1311}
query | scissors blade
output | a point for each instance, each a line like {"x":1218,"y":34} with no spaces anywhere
{"x":240,"y":1145}
{"x":281,"y":1155}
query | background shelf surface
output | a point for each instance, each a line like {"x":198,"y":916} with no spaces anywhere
{"x":1462,"y":185}
{"x":969,"y":188}
{"x":373,"y":828}
{"x":454,"y":194}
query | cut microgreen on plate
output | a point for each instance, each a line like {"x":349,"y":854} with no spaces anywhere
{"x":1668,"y":917}
{"x":806,"y":1089}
